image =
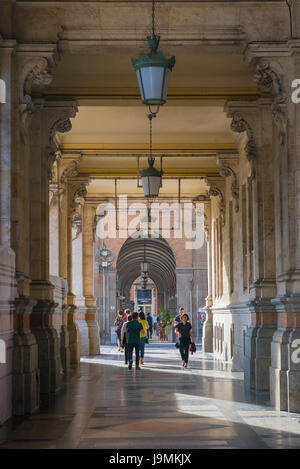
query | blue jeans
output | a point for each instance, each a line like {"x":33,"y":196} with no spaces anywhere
{"x":142,"y":346}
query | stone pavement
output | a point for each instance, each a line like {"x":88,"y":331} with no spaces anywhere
{"x":104,"y":405}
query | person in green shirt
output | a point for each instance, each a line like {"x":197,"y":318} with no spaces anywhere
{"x":133,"y":330}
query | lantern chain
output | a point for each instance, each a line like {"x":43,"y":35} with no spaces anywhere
{"x":150,"y":119}
{"x":153,"y":18}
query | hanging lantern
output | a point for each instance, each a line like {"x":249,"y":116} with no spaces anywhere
{"x":153,"y":71}
{"x":151,"y":180}
{"x":144,"y":267}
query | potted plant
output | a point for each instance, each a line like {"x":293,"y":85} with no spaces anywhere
{"x":166,"y":317}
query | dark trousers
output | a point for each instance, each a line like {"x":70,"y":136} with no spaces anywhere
{"x":184,"y":347}
{"x":126,"y":352}
{"x":137,"y":353}
{"x":149,"y":332}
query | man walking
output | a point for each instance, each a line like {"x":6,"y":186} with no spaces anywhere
{"x":177,"y":319}
{"x":150,"y":323}
{"x":133,"y":330}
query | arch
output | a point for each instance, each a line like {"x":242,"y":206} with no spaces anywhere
{"x":159,"y":255}
{"x":2,"y":91}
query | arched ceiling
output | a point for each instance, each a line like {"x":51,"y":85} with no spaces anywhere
{"x":159,"y":256}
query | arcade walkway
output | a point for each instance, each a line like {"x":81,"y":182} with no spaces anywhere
{"x":104,"y":405}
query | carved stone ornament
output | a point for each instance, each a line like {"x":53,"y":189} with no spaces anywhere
{"x":69,"y":172}
{"x":77,"y":200}
{"x":227,"y":171}
{"x":279,"y":116}
{"x":61,"y":125}
{"x":267,"y":78}
{"x":77,"y":225}
{"x":39,"y":76}
{"x":206,"y":228}
{"x":239,"y":124}
{"x":214,"y":191}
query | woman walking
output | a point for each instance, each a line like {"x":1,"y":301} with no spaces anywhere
{"x":185,"y":334}
{"x":124,"y":341}
{"x":143,"y":335}
{"x":118,"y":324}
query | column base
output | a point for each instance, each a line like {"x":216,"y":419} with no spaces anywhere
{"x":73,"y":333}
{"x":65,"y":353}
{"x":8,"y":292}
{"x":208,"y":332}
{"x":263,"y":357}
{"x":285,"y":370}
{"x":26,"y":373}
{"x":61,"y":320}
{"x":88,"y":331}
{"x":258,"y":341}
{"x":48,"y":347}
{"x":250,"y":356}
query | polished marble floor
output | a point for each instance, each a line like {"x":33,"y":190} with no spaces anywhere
{"x":104,"y":405}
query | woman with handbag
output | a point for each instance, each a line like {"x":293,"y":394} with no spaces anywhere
{"x":185,"y":334}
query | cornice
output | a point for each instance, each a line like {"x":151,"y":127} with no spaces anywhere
{"x":114,"y":173}
{"x":132,"y":93}
{"x":138,"y":149}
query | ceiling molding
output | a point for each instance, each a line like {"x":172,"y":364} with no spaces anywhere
{"x":113,"y":173}
{"x":142,"y":148}
{"x":132,"y":93}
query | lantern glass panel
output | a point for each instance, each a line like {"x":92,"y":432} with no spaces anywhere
{"x":151,"y":185}
{"x":153,"y":83}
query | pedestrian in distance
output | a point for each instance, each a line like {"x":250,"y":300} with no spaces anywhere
{"x":177,"y":319}
{"x":133,"y":330}
{"x":118,"y":324}
{"x":143,"y":335}
{"x":124,"y":341}
{"x":150,"y":324}
{"x":127,"y":312}
{"x":185,"y":334}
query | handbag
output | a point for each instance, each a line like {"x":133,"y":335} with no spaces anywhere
{"x":193,"y":348}
{"x":176,"y":345}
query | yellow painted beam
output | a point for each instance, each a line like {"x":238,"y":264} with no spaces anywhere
{"x":131,"y":173}
{"x":134,"y":148}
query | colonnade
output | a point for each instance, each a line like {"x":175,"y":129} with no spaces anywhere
{"x":252,"y":226}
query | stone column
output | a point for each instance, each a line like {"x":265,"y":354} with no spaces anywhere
{"x":256,"y":120}
{"x":275,"y":69}
{"x":29,"y":69}
{"x":67,"y":167}
{"x":7,"y":255}
{"x":207,"y":340}
{"x":92,"y":345}
{"x":48,"y":118}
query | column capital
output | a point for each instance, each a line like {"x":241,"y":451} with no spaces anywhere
{"x":35,"y":65}
{"x":56,"y":119}
{"x":216,"y":188}
{"x":229,"y":168}
{"x":244,"y":116}
{"x":76,"y":198}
